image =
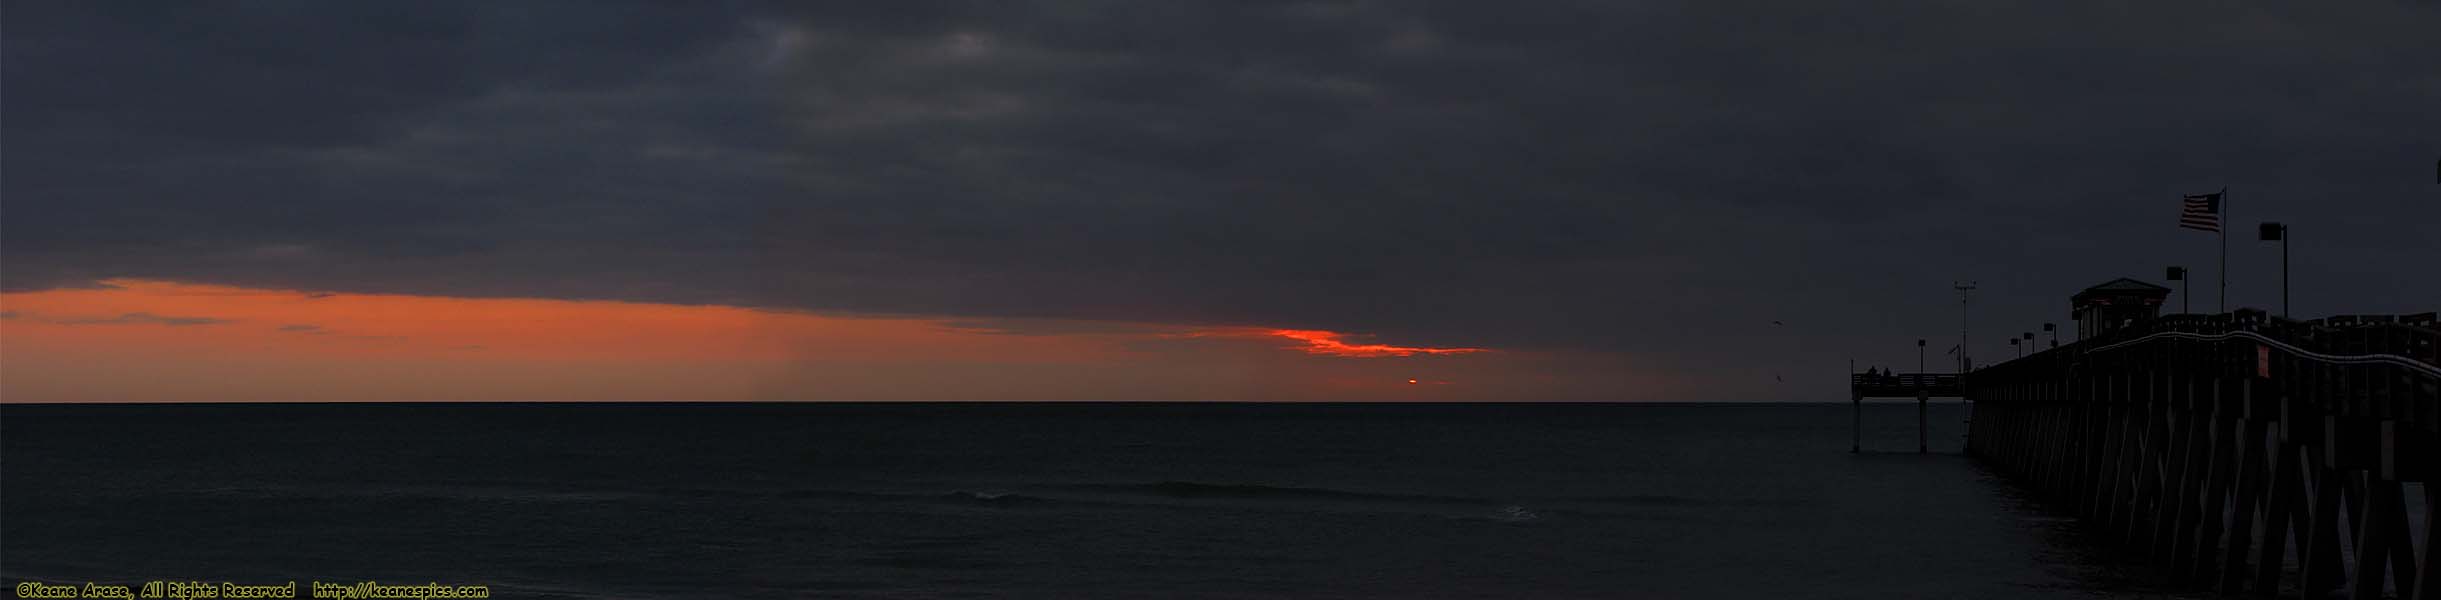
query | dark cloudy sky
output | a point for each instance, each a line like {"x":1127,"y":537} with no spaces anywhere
{"x":1645,"y":184}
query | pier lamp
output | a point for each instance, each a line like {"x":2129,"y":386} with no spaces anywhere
{"x":2021,"y":350}
{"x":2054,"y":330}
{"x":1919,"y":357}
{"x":2275,"y":232}
{"x":1966,"y":354}
{"x":2179,"y":274}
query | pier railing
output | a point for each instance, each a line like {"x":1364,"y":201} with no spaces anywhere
{"x":1904,"y":384}
{"x":2224,"y":448}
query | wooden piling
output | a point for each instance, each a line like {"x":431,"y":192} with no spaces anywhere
{"x":2428,"y":583}
{"x":2250,"y":486}
{"x":2285,"y":513}
{"x":2219,"y":471}
{"x":2321,"y":560}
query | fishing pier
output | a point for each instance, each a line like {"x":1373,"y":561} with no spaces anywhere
{"x":2238,"y":452}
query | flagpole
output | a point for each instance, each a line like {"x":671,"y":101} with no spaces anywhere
{"x":2224,"y":231}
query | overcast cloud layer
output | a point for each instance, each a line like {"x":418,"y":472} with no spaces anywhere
{"x":1659,"y":180}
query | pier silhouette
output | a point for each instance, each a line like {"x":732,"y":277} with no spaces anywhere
{"x":2224,"y":449}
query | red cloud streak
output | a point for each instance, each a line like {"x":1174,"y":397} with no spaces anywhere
{"x":1332,"y":343}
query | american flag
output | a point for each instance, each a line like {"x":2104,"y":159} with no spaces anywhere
{"x":2203,"y":211}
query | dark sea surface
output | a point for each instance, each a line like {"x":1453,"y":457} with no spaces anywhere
{"x":1032,"y":500}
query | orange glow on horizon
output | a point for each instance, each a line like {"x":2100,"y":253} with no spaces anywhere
{"x":141,"y":316}
{"x":157,"y":341}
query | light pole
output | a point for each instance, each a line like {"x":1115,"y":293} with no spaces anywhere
{"x":2275,"y":232}
{"x":2054,"y":330}
{"x":2179,"y":274}
{"x":1919,"y":361}
{"x":2029,"y":341}
{"x":2021,"y":350}
{"x":1963,"y":288}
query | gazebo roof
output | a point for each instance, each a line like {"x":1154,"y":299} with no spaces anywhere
{"x":2124,"y":284}
{"x":2118,"y":288}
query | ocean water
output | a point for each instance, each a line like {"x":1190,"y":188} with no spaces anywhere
{"x":1032,"y":500}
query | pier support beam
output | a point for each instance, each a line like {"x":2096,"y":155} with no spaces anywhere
{"x":2250,"y":488}
{"x":2219,"y":456}
{"x":2428,"y":584}
{"x":1923,"y":434}
{"x":2285,"y":509}
{"x":2378,"y":540}
{"x":2321,"y":559}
